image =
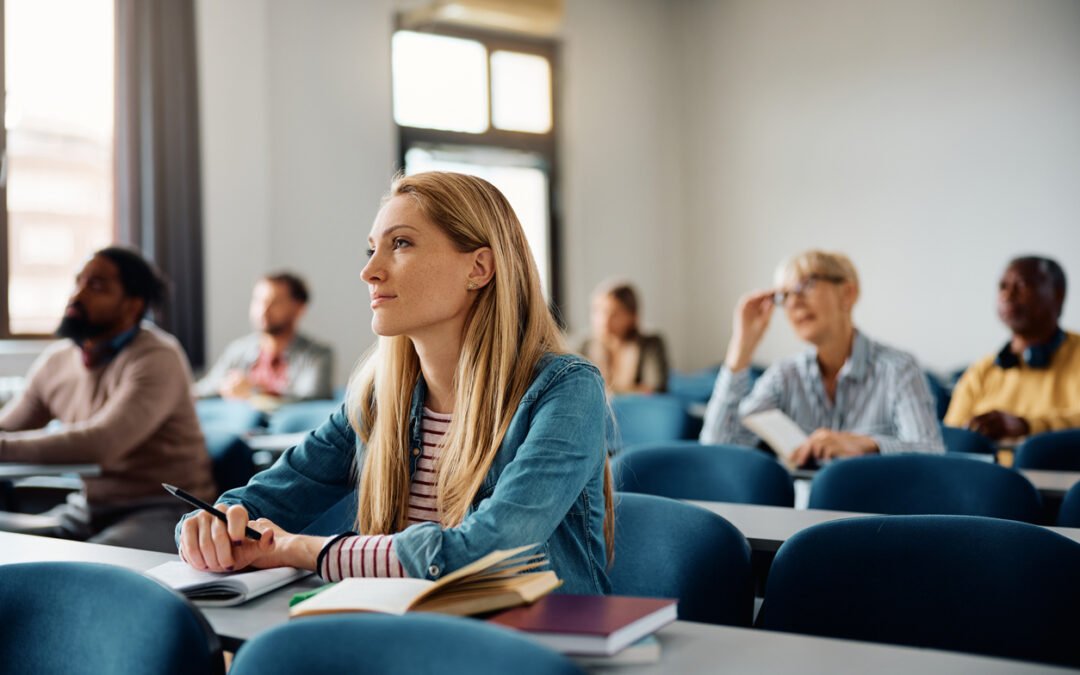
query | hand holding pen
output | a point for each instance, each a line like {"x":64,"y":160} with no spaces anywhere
{"x":221,"y":539}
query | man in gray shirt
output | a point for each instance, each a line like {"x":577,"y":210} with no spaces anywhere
{"x":276,"y":362}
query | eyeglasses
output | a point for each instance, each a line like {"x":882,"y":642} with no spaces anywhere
{"x":803,"y":287}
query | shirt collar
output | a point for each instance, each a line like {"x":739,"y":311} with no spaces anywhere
{"x":1035,"y":356}
{"x":855,"y":367}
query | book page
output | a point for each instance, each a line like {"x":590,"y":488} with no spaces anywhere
{"x":776,"y":429}
{"x":365,"y":594}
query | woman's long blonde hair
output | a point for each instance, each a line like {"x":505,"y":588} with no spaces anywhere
{"x":508,"y":329}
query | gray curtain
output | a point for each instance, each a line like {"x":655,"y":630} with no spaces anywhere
{"x":158,"y":195}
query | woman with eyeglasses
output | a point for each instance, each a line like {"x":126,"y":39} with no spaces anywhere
{"x":850,"y":394}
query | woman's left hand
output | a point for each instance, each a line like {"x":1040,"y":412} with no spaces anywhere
{"x":828,"y":444}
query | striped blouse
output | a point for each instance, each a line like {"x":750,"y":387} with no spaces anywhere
{"x":358,"y":555}
{"x":880,"y":392}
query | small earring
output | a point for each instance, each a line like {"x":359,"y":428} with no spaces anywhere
{"x":471,"y":285}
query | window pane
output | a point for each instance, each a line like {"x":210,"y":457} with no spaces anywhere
{"x":59,"y":119}
{"x":517,"y":175}
{"x":521,"y":92}
{"x":440,"y":82}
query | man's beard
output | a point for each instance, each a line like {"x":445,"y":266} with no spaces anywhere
{"x":276,"y":329}
{"x":79,"y":328}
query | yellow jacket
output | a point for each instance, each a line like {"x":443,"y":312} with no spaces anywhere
{"x":1048,"y":398}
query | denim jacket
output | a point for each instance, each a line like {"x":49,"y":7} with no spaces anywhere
{"x":545,"y":484}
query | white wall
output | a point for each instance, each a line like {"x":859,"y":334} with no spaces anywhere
{"x":929,"y":140}
{"x":234,"y":114}
{"x":621,"y":160}
{"x":298,"y":147}
{"x":702,"y":141}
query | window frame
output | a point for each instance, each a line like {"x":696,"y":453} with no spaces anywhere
{"x":543,"y":145}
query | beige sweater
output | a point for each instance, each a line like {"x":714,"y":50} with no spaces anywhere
{"x":134,"y":416}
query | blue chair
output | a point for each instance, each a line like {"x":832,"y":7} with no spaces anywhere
{"x":695,"y":387}
{"x":77,"y":617}
{"x":230,"y":457}
{"x":1054,"y":451}
{"x":220,"y":414}
{"x":718,"y":473}
{"x":961,"y":583}
{"x":647,"y":418}
{"x":925,"y":484}
{"x":967,"y":441}
{"x":670,"y":549}
{"x":1069,"y":514}
{"x":941,"y":393}
{"x":293,"y":418}
{"x":389,"y":645}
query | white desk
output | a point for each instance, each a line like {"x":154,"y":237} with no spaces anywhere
{"x":1048,"y":483}
{"x":1052,"y":483}
{"x":11,"y":471}
{"x":275,"y":443}
{"x":767,"y":527}
{"x":686,"y":647}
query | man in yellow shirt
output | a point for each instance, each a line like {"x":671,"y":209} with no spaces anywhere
{"x":1033,"y":384}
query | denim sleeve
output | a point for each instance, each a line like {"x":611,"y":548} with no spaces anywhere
{"x":562,"y":451}
{"x":306,"y":481}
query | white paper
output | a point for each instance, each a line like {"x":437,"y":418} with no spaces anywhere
{"x":776,"y":429}
{"x":212,"y":588}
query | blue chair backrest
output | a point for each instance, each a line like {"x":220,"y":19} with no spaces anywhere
{"x":718,"y":473}
{"x":377,"y":644}
{"x":222,"y":414}
{"x":695,"y":387}
{"x":293,"y":418}
{"x":942,"y":394}
{"x":1054,"y":451}
{"x":230,"y":457}
{"x":340,"y":518}
{"x":1069,"y":515}
{"x":965,"y":440}
{"x":925,"y":484}
{"x":77,"y":617}
{"x":945,"y":582}
{"x":648,"y":418}
{"x":669,"y":549}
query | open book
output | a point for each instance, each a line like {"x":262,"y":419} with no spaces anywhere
{"x":778,"y":430}
{"x":498,"y":580}
{"x":223,"y":590}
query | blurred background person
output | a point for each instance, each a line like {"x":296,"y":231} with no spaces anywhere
{"x":630,"y":361}
{"x":850,"y":394}
{"x":276,"y":363}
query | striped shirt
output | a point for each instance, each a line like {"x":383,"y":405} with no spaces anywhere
{"x":358,"y":555}
{"x":880,"y":392}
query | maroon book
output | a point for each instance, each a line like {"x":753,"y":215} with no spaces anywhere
{"x":589,"y":624}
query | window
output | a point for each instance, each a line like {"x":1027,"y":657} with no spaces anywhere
{"x":58,"y":69}
{"x":483,"y":105}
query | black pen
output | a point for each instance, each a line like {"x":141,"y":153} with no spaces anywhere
{"x":198,"y":503}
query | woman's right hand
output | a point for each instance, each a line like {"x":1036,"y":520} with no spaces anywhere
{"x":751,"y":321}
{"x":210,"y":545}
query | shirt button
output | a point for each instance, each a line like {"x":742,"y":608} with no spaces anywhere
{"x":433,"y":570}
{"x":416,"y":452}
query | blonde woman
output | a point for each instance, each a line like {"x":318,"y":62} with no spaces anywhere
{"x":469,"y":427}
{"x":852,"y":395}
{"x":630,"y":361}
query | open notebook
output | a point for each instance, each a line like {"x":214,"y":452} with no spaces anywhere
{"x":223,"y":590}
{"x":498,"y":580}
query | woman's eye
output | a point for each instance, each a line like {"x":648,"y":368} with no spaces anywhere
{"x":370,"y":252}
{"x":399,"y":242}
